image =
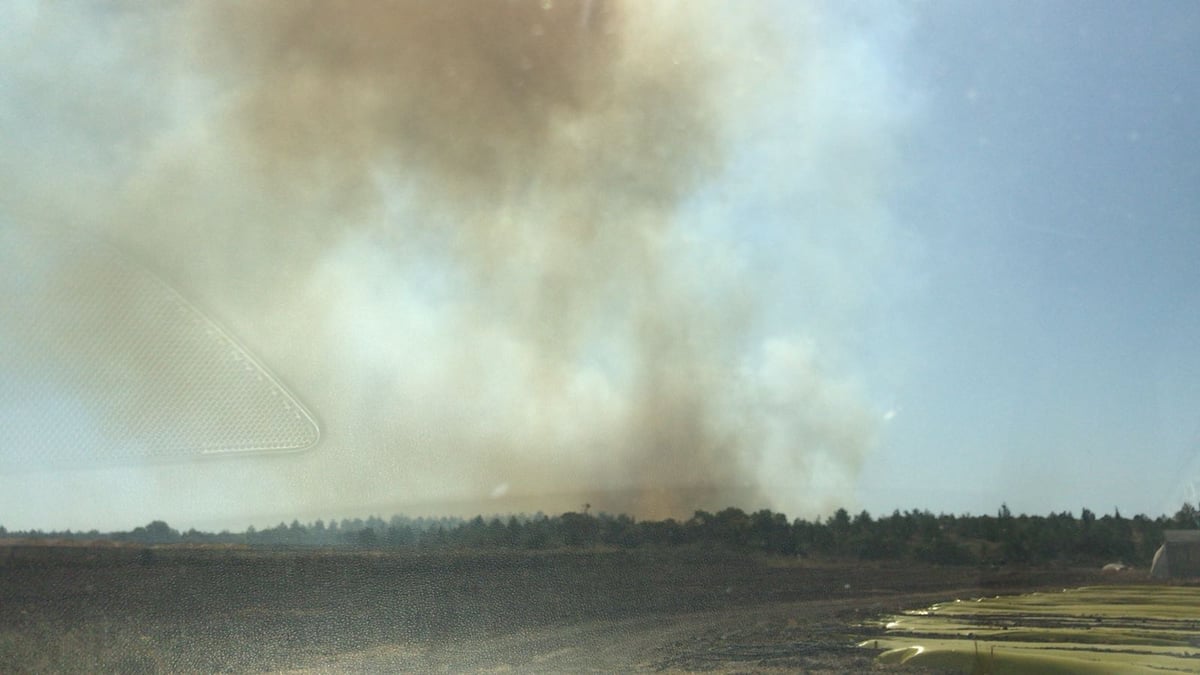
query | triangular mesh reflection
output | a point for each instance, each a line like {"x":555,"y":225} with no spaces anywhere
{"x":101,"y":361}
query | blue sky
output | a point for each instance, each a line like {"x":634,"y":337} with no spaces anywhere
{"x":963,"y":239}
{"x":1053,"y":187}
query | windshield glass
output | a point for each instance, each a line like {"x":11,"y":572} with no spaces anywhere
{"x":280,"y":262}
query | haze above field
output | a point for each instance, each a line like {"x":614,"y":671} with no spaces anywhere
{"x":654,"y":257}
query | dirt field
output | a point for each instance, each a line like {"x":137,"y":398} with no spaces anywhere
{"x":172,"y":610}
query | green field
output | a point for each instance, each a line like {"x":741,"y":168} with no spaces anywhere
{"x":1096,"y":629}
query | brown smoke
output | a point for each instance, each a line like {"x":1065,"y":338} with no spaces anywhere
{"x":553,"y":137}
{"x":552,"y":141}
{"x":457,"y":229}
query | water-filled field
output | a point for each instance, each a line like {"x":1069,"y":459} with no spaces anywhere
{"x":1098,"y":629}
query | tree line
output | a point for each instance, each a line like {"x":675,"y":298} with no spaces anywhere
{"x":1002,"y":538}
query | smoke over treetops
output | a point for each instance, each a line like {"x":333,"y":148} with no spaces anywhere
{"x":480,"y":241}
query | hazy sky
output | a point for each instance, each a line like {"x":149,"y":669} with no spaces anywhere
{"x":905,"y":255}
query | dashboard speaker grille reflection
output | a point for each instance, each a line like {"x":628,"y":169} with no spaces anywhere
{"x":103,"y":362}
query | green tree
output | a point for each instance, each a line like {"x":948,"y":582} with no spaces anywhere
{"x":578,"y":529}
{"x":156,"y":532}
{"x":1186,"y":518}
{"x":366,"y":538}
{"x":942,"y":550}
{"x":839,"y":530}
{"x":771,"y":532}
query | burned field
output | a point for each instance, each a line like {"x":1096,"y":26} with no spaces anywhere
{"x":138,"y":609}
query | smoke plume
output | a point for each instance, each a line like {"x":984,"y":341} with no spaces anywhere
{"x":467,"y":235}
